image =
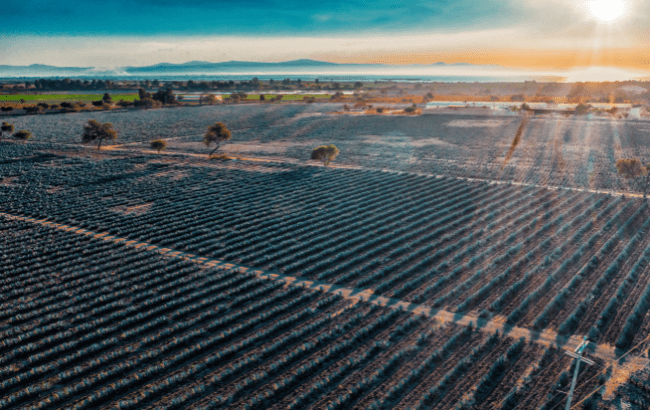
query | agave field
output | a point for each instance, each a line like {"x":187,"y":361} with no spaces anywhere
{"x":561,"y":151}
{"x":92,"y":324}
{"x":168,"y":300}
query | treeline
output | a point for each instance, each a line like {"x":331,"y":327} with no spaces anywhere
{"x":68,"y":84}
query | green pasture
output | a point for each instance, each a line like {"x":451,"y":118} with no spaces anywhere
{"x":64,"y":97}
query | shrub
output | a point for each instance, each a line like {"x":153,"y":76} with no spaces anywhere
{"x":147,"y":103}
{"x":23,"y":135}
{"x":410,"y":109}
{"x":6,"y":128}
{"x":34,"y":110}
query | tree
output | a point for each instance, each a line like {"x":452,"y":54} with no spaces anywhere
{"x":165,"y":96}
{"x":358,"y":85}
{"x":262,"y":97}
{"x":98,"y":103}
{"x":147,"y":103}
{"x":631,"y":168}
{"x":582,"y":109}
{"x":217,"y":133}
{"x":97,"y":131}
{"x":7,"y":108}
{"x":325,"y":154}
{"x":107,"y":98}
{"x":6,"y":127}
{"x":158,"y":145}
{"x":23,"y":135}
{"x":210,"y":99}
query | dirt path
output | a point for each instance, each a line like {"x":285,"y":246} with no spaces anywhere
{"x":546,"y":337}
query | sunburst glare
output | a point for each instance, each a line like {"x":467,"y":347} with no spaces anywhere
{"x":607,"y":10}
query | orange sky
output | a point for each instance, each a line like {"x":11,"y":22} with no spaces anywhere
{"x":638,"y":58}
{"x":529,"y":34}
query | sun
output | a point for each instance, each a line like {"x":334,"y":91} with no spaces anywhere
{"x":606,"y":10}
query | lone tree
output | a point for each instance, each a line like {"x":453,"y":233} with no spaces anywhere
{"x":23,"y":135}
{"x":158,"y":145}
{"x":97,"y":131}
{"x":217,"y":133}
{"x":631,"y":168}
{"x":107,"y":98}
{"x":6,"y":127}
{"x":325,"y":154}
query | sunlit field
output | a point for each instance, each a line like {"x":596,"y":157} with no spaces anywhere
{"x":442,"y":261}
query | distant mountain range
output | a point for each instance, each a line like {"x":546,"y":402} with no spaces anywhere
{"x":228,"y":67}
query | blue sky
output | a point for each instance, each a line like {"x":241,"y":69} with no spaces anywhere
{"x":247,"y":17}
{"x":522,"y":33}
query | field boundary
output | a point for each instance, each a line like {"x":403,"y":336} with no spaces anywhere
{"x":497,"y":323}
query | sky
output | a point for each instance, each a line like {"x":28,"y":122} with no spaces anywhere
{"x":528,"y":34}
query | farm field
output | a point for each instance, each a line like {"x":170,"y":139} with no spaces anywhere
{"x":64,"y":97}
{"x":60,"y":97}
{"x":134,"y":280}
{"x":552,"y":151}
{"x":163,"y":332}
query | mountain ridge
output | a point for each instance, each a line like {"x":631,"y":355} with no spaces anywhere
{"x":236,"y":63}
